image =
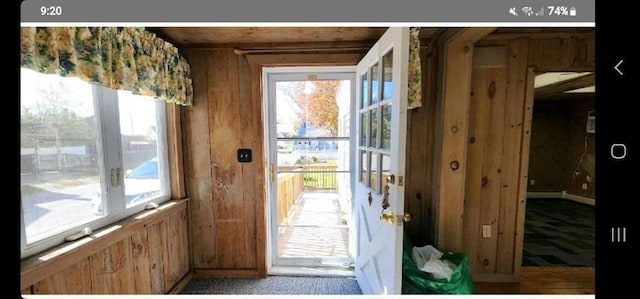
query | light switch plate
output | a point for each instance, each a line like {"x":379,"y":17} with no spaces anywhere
{"x":486,"y":231}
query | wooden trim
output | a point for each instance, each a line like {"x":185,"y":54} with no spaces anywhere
{"x":493,"y":277}
{"x":566,"y":85}
{"x":537,"y":35}
{"x":221,"y":273}
{"x":180,"y":285}
{"x":544,"y":195}
{"x":174,"y":145}
{"x":580,"y":198}
{"x":524,"y":171}
{"x":457,"y":64}
{"x":41,"y":266}
{"x":262,"y":60}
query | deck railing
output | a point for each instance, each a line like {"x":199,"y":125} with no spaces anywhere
{"x":291,"y":185}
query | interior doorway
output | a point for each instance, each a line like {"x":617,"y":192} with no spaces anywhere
{"x":560,"y":209}
{"x":309,"y":146}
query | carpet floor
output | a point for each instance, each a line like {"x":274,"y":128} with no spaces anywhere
{"x":558,"y":232}
{"x":274,"y":285}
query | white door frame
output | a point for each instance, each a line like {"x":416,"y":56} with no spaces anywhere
{"x":269,"y":76}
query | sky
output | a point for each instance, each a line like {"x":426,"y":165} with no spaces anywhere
{"x":135,"y":115}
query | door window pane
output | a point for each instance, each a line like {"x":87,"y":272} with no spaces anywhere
{"x":375,"y":78}
{"x":386,"y":127}
{"x":374,"y":128}
{"x":387,"y":66}
{"x":365,"y":91}
{"x":373,"y":174}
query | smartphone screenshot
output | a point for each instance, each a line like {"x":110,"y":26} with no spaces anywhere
{"x":309,"y":148}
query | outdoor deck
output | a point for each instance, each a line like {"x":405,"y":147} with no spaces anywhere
{"x":315,"y":227}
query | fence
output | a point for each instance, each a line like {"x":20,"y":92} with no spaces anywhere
{"x":320,"y":177}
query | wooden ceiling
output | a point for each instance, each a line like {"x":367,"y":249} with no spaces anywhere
{"x":217,"y":37}
{"x":565,"y":86}
{"x":190,"y":37}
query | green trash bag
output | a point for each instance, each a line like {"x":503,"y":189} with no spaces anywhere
{"x":414,"y":281}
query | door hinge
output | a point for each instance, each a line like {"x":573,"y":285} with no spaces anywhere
{"x":272,"y":173}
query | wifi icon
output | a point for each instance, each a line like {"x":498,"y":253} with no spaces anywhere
{"x":527,"y":10}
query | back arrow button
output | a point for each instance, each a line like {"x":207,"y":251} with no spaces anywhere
{"x":617,"y":67}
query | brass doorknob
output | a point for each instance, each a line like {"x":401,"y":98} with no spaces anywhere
{"x":406,"y":217}
{"x":388,"y":218}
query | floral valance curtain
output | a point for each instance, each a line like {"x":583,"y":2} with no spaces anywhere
{"x":415,"y":69}
{"x":127,"y":58}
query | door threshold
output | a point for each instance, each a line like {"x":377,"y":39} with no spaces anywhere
{"x":311,"y":271}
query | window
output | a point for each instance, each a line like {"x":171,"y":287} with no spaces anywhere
{"x":89,"y":156}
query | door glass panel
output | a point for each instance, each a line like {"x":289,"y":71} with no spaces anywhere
{"x":364,"y":124}
{"x":374,"y":128}
{"x":386,"y":127}
{"x":375,"y":78}
{"x":311,"y":108}
{"x":313,"y":155}
{"x":386,"y":167}
{"x":373,"y":174}
{"x":387,"y":66}
{"x":364,"y":166}
{"x":365,"y":91}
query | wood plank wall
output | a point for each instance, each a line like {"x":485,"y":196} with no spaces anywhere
{"x":557,"y":144}
{"x":497,"y":115}
{"x":420,"y":147}
{"x":224,"y":118}
{"x":148,"y":256}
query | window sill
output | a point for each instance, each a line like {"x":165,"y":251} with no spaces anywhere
{"x":42,"y":265}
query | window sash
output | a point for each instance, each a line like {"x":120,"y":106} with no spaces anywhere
{"x":110,"y":155}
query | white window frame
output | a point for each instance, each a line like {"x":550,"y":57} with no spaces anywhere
{"x":109,"y":143}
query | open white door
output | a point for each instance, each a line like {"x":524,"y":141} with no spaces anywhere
{"x":381,"y":103}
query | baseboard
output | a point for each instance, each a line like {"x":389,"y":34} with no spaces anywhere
{"x":565,"y":195}
{"x":581,"y":199}
{"x":182,"y":283}
{"x":231,"y":273}
{"x":493,"y":277}
{"x":544,"y":194}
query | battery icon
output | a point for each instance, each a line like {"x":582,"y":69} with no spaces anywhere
{"x":572,"y":11}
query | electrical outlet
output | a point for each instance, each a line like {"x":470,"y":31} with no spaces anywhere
{"x":532,"y":182}
{"x":584,"y":186}
{"x":486,"y":231}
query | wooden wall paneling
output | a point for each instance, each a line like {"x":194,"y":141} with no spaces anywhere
{"x":493,"y":92}
{"x":515,"y":134}
{"x":419,"y":164}
{"x":75,"y":279}
{"x":27,"y":291}
{"x":478,"y":123}
{"x":252,"y":176}
{"x":562,"y":54}
{"x":176,"y":264}
{"x":550,"y":137}
{"x":156,"y":239}
{"x":578,"y":169}
{"x":457,"y":57}
{"x":491,"y":179}
{"x":112,"y":269}
{"x":198,"y":164}
{"x":225,"y":132}
{"x":141,"y":262}
{"x":176,"y":161}
{"x":583,"y":49}
{"x":523,"y":172}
